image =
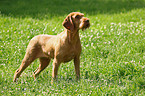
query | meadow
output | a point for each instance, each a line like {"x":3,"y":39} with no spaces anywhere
{"x":113,"y":48}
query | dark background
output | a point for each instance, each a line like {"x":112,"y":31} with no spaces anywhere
{"x":48,"y":8}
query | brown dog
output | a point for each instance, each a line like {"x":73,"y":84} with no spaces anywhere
{"x":62,"y":47}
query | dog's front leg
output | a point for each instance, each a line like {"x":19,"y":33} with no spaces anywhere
{"x":77,"y":66}
{"x":56,"y":64}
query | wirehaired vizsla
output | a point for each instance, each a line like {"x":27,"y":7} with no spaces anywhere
{"x":62,"y":47}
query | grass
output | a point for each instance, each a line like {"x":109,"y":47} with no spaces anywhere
{"x":113,"y":49}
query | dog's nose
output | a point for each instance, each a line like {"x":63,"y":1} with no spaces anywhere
{"x":87,"y":20}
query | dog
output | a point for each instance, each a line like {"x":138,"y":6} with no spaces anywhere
{"x":61,"y":48}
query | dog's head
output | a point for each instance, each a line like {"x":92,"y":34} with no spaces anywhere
{"x":75,"y":21}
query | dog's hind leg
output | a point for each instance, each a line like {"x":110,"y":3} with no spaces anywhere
{"x":28,"y":59}
{"x":44,"y":62}
{"x":30,"y":56}
{"x":25,"y":63}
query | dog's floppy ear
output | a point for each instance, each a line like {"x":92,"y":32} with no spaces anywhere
{"x":68,"y":23}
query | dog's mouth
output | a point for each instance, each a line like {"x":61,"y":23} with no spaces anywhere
{"x":88,"y":25}
{"x":84,"y":24}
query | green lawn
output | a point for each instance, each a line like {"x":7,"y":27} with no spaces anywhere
{"x":113,"y":48}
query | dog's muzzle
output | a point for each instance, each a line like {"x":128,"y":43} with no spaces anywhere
{"x":87,"y":23}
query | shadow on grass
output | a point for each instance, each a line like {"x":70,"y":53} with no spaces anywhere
{"x":41,"y":9}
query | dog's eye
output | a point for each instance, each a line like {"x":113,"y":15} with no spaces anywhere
{"x":78,"y":17}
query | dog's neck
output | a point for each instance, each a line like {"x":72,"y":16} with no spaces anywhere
{"x":72,"y":36}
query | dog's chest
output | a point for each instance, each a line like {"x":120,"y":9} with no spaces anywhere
{"x":66,"y":52}
{"x":68,"y":55}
